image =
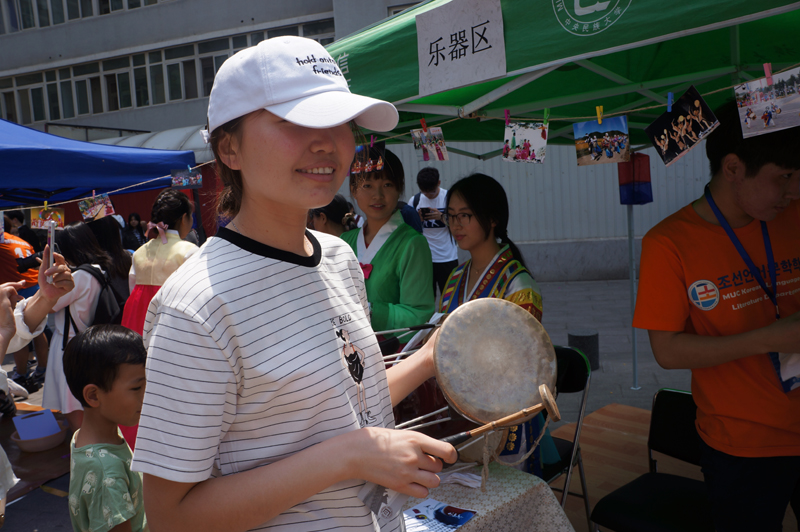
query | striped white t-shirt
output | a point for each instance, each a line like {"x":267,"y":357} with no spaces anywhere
{"x":246,"y":365}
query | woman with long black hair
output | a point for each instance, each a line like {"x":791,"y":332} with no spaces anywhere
{"x":477,"y":215}
{"x":79,"y":246}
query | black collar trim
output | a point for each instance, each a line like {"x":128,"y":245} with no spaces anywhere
{"x":257,"y":248}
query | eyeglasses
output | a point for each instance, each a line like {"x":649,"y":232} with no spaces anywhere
{"x":462,"y":218}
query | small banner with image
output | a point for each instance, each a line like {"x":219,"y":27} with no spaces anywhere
{"x":96,"y":207}
{"x":187,"y":178}
{"x":602,"y":143}
{"x":675,"y":133}
{"x":766,"y":108}
{"x":40,"y":216}
{"x":525,"y":142}
{"x":431,"y":143}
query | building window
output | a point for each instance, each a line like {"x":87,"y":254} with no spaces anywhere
{"x":153,"y":78}
{"x":26,"y":14}
{"x":394,"y":10}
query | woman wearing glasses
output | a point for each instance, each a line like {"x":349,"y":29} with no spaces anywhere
{"x":477,"y":215}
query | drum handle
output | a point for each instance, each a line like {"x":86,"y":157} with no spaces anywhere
{"x":420,"y":418}
{"x":408,"y":329}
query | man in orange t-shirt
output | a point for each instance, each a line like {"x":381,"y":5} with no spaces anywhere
{"x":11,"y":249}
{"x":704,"y":310}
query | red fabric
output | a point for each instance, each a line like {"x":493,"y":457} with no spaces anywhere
{"x":133,"y":318}
{"x":136,"y":307}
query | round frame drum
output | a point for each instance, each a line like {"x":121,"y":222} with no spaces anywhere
{"x":490,"y":358}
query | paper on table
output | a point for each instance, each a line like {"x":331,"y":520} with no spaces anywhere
{"x":36,"y":425}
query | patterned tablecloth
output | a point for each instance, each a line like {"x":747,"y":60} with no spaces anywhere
{"x":514,"y":501}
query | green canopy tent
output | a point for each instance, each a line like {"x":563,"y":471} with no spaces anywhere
{"x":565,"y":57}
{"x":649,"y":49}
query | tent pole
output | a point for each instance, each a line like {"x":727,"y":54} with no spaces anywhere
{"x":632,"y":270}
{"x":503,"y":90}
{"x":736,"y":58}
{"x":695,"y":77}
{"x":444,"y":110}
{"x":616,"y":78}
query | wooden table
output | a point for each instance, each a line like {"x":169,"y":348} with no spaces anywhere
{"x":514,"y":502}
{"x":32,"y":469}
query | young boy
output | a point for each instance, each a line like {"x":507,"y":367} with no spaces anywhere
{"x":104,"y":367}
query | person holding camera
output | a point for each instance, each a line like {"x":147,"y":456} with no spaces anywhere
{"x":24,"y":270}
{"x":431,"y":204}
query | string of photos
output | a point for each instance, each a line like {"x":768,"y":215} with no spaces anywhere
{"x":606,"y":139}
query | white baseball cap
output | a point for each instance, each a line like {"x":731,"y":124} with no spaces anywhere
{"x":296,"y":79}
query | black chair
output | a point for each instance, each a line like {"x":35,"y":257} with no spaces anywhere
{"x":660,"y":502}
{"x":573,"y":376}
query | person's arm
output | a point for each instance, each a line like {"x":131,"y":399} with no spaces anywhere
{"x":680,"y":350}
{"x":132,"y":276}
{"x":407,"y":376}
{"x":178,"y":491}
{"x":8,"y":300}
{"x":122,"y":527}
{"x":416,"y":302}
{"x":397,"y":460}
{"x":42,"y":302}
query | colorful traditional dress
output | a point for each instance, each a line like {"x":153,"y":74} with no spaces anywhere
{"x":507,"y":279}
{"x":397,"y":273}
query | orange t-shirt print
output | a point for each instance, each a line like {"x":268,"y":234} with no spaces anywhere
{"x":693,"y":280}
{"x":12,"y":249}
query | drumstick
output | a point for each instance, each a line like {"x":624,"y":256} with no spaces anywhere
{"x":409,"y":329}
{"x":548,"y":403}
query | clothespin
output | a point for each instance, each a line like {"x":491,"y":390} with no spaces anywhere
{"x":546,"y":115}
{"x":768,"y":72}
{"x":424,"y":125}
{"x":372,"y":141}
{"x":670,"y":99}
{"x":508,"y":116}
{"x":599,"y":109}
{"x":45,"y":204}
{"x":189,"y":166}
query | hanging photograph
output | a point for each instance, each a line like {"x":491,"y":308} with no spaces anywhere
{"x":96,"y":207}
{"x":187,"y":178}
{"x":765,"y":108}
{"x":431,"y":142}
{"x":525,"y":142}
{"x":675,"y":133}
{"x":40,"y":216}
{"x":602,"y":143}
{"x":368,"y":158}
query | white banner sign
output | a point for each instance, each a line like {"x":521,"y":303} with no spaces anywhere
{"x":460,"y":43}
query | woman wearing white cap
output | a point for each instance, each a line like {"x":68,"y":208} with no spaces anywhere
{"x":267,"y":403}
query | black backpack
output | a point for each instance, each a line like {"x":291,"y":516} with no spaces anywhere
{"x":110,"y":303}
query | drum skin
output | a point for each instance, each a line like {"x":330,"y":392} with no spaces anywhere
{"x":490,"y":358}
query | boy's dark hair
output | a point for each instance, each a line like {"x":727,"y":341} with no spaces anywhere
{"x":392,"y":170}
{"x":488,"y":202}
{"x":16,"y":215}
{"x":94,"y":355}
{"x":428,"y":179}
{"x":779,"y":148}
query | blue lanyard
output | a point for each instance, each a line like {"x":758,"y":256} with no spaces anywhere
{"x":748,"y":261}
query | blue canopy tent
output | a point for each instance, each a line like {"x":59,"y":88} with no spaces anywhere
{"x":36,"y":166}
